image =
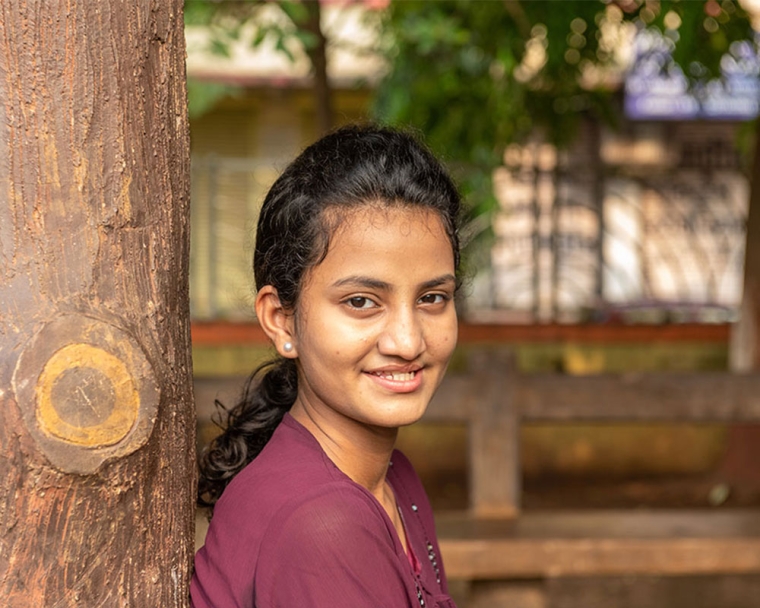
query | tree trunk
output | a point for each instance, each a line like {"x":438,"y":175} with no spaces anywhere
{"x":96,"y":416}
{"x":318,"y":56}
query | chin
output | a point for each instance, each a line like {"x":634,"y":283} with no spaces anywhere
{"x":397,"y":418}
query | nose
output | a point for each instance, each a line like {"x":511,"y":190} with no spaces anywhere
{"x":403,"y":335}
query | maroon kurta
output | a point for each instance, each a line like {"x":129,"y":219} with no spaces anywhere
{"x":292,"y":530}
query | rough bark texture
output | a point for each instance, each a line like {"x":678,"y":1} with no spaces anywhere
{"x":96,"y":418}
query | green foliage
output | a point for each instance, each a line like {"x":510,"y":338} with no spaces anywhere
{"x":477,"y":76}
{"x":202,"y":96}
{"x":223,"y":20}
{"x":703,"y":33}
{"x":226,"y":21}
{"x":470,"y":76}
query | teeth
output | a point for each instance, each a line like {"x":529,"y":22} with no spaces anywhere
{"x":398,"y":376}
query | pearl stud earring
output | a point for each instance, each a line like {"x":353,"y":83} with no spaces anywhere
{"x":287,"y":347}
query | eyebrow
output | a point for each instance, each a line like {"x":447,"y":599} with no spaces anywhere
{"x":370,"y":283}
{"x":438,"y":281}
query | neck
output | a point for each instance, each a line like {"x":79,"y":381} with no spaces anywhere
{"x":360,"y":451}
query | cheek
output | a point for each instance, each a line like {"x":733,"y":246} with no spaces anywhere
{"x":444,"y":336}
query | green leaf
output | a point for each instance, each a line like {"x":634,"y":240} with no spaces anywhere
{"x":280,"y":45}
{"x":260,"y":36}
{"x":297,"y":12}
{"x":203,"y":96}
{"x":219,"y":47}
{"x":309,"y":40}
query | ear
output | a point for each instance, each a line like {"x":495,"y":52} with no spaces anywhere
{"x":276,"y":321}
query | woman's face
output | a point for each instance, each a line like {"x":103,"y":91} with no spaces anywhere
{"x":376,"y":323}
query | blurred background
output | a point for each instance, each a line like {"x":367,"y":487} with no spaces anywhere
{"x":605,"y":150}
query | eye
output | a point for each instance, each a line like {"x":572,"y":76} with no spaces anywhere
{"x":434,"y":298}
{"x":361,"y":302}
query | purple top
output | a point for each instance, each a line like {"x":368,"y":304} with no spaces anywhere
{"x":293,"y":530}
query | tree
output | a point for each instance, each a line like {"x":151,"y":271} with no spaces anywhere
{"x":96,"y":416}
{"x":477,"y":76}
{"x":296,"y":28}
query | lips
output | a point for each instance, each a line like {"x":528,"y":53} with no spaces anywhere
{"x":404,"y":380}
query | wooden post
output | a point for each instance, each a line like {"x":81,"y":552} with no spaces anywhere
{"x":745,"y":338}
{"x":96,"y":415}
{"x":740,"y":462}
{"x":495,"y":475}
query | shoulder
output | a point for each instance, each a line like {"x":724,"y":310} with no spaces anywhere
{"x":290,"y":463}
{"x":331,"y":547}
{"x":286,"y":472}
{"x":326,"y":519}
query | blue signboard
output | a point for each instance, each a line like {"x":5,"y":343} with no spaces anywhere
{"x":657,"y":89}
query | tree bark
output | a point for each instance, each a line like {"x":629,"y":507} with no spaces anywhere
{"x":96,"y":416}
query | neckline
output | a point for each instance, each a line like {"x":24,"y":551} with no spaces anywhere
{"x":294,"y":424}
{"x":410,"y":554}
{"x":406,"y":543}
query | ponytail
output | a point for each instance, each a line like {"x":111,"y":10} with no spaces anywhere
{"x":269,"y":393}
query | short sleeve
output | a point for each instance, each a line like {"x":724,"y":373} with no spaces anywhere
{"x":333,"y":549}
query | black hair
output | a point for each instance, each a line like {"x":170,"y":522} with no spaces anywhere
{"x":350,"y":167}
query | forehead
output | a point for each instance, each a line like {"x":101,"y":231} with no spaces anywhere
{"x":364,"y":221}
{"x":381,"y":237}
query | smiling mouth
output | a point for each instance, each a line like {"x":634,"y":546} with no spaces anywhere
{"x":396,"y":376}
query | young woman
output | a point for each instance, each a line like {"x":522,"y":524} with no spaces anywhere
{"x":355,"y":263}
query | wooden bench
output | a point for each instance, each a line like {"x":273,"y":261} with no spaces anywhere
{"x":494,"y":541}
{"x":594,"y":543}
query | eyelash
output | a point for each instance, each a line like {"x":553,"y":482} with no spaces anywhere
{"x":444,"y":297}
{"x":352,"y":301}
